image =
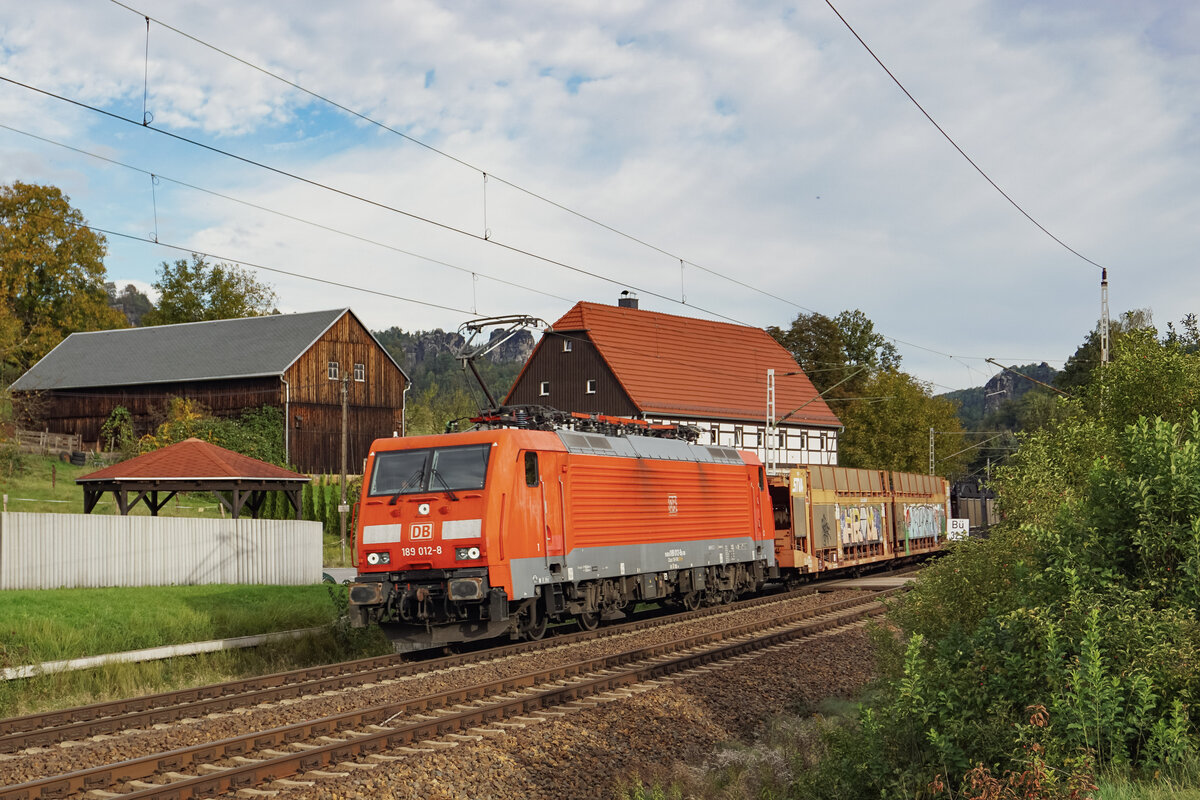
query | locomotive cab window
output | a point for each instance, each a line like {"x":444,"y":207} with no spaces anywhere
{"x":531,"y":469}
{"x":430,"y":469}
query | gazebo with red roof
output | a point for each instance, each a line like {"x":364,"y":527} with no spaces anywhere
{"x":239,"y":482}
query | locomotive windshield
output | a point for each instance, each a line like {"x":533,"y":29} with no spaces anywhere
{"x":431,"y":469}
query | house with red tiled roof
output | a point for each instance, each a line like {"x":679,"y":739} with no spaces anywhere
{"x":625,"y":361}
{"x":240,"y":483}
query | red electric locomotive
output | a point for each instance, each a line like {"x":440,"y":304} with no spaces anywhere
{"x":494,"y":532}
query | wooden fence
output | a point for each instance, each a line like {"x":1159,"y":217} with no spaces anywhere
{"x":44,"y":442}
{"x":46,"y":551}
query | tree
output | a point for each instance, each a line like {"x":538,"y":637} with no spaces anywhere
{"x":51,"y":274}
{"x":199,"y":291}
{"x":1189,"y":339}
{"x":837,"y":354}
{"x":888,"y":426}
{"x":1078,"y":370}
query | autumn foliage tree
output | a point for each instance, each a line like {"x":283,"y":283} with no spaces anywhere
{"x":51,"y":274}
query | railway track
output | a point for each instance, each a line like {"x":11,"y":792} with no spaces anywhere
{"x":312,"y":748}
{"x":49,"y":728}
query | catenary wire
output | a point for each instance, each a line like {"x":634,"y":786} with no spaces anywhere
{"x":265,"y":268}
{"x":492,"y":176}
{"x":416,"y":217}
{"x":283,"y":214}
{"x":375,"y":203}
{"x":487,"y":174}
{"x":948,"y":138}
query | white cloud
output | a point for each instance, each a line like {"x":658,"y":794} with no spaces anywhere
{"x":757,"y":139}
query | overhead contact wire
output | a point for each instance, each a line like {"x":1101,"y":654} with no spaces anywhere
{"x":264,"y":267}
{"x":342,"y":192}
{"x":408,"y":137}
{"x":948,"y":138}
{"x":283,"y":214}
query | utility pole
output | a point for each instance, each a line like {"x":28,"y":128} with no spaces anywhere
{"x":342,"y":507}
{"x":931,"y":458}
{"x":1103,"y":316}
{"x":771,"y":442}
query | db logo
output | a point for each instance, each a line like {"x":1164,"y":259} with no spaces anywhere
{"x":421,"y":530}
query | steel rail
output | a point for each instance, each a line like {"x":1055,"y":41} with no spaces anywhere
{"x":105,"y":776}
{"x":38,"y":730}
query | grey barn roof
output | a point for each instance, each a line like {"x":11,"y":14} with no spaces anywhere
{"x":232,"y":348}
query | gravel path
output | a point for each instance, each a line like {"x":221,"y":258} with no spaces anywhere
{"x":70,"y":756}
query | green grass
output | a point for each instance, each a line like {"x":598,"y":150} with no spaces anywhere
{"x":56,"y":624}
{"x":53,"y":624}
{"x":1182,"y":784}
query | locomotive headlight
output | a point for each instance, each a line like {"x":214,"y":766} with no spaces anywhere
{"x":379,"y":558}
{"x":466,"y":553}
{"x":372,"y":558}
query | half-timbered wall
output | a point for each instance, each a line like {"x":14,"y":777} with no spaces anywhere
{"x":797,"y":445}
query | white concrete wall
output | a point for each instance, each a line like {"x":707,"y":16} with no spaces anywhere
{"x":47,"y":551}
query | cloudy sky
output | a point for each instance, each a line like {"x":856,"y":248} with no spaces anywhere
{"x":758,"y":142}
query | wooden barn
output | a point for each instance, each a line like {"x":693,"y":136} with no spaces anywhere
{"x":295,"y":362}
{"x":624,"y":361}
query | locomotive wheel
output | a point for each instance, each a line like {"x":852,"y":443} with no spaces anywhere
{"x":727,"y":597}
{"x":691,"y":601}
{"x":536,"y":629}
{"x":588,"y":620}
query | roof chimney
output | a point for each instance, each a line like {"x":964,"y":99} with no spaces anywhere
{"x":627,"y":299}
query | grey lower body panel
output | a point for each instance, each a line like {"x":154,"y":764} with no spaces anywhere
{"x":594,"y":563}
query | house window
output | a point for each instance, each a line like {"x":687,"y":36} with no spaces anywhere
{"x":544,"y":389}
{"x":332,"y":371}
{"x":591,"y":386}
{"x":360,"y":372}
{"x":568,"y":345}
